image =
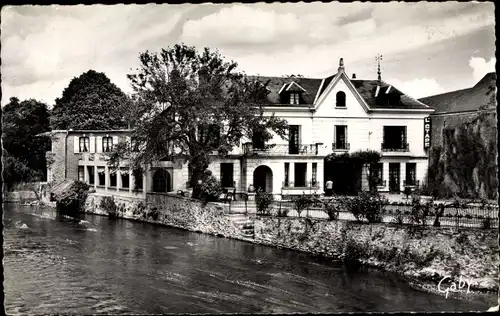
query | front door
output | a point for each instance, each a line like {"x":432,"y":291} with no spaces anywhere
{"x":394,"y":177}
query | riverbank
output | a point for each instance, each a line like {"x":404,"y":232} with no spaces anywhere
{"x":423,"y":256}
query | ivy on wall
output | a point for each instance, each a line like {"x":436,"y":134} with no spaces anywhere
{"x":466,"y":164}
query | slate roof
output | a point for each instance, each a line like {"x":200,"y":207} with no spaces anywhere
{"x":395,"y":99}
{"x":469,"y":99}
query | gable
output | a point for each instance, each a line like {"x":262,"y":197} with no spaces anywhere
{"x":326,"y":103}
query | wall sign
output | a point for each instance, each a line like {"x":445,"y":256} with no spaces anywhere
{"x":427,"y":132}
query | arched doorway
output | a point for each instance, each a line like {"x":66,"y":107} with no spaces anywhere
{"x":263,"y":178}
{"x":161,"y":181}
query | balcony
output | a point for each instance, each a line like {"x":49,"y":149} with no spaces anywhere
{"x":401,"y":148}
{"x":341,"y":146}
{"x":282,"y":149}
{"x":309,"y":185}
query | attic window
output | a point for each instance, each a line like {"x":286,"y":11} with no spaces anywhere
{"x":294,"y":98}
{"x":340,"y":99}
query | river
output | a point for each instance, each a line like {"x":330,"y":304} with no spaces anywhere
{"x":57,"y":266}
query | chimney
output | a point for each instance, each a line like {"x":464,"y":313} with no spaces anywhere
{"x":341,"y":65}
{"x":353,"y":76}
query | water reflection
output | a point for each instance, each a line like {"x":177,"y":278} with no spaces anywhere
{"x":95,"y":265}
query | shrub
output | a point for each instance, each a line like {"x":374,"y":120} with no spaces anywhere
{"x":331,"y":209}
{"x":108,"y":204}
{"x":282,"y":212}
{"x":210,"y":189}
{"x":303,"y":202}
{"x":263,"y":201}
{"x":153,"y":213}
{"x":419,"y":211}
{"x":486,"y":223}
{"x":367,"y":206}
{"x":407,"y":192}
{"x":74,"y":199}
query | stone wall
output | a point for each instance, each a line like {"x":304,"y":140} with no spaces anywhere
{"x":173,"y":210}
{"x":427,"y":254}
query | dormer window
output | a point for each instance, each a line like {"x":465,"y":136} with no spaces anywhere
{"x":294,"y":98}
{"x":340,"y":101}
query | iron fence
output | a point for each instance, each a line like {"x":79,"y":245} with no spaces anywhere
{"x":452,"y":216}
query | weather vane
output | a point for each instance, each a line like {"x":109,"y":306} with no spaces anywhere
{"x":378,"y":58}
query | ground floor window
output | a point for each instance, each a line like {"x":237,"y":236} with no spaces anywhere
{"x":377,"y":174}
{"x":90,"y":170}
{"x":287,"y":174}
{"x":102,"y":176}
{"x":314,"y":173}
{"x":227,"y":174}
{"x":125,"y":178}
{"x":112,"y":179}
{"x":300,"y":174}
{"x":411,"y":173}
{"x":138,"y":179}
{"x":81,"y":173}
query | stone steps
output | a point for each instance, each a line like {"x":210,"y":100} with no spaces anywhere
{"x":244,"y":224}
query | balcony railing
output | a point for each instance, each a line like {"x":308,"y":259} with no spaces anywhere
{"x":281,"y":149}
{"x":341,"y":146}
{"x":401,"y":148}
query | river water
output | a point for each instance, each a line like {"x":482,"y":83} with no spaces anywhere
{"x":55,"y":265}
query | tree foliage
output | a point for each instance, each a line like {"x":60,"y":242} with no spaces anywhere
{"x":189,"y":104}
{"x":24,"y":152}
{"x":91,"y":101}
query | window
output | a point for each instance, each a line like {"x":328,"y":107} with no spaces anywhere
{"x":411,"y":173}
{"x":294,"y":139}
{"x":226,"y":174}
{"x":314,"y":173}
{"x":341,"y":137}
{"x":134,"y":144}
{"x":300,"y":174}
{"x":340,"y":99}
{"x":294,"y":98}
{"x":125,"y":178}
{"x":107,"y":144}
{"x":376,"y":173}
{"x":287,"y":174}
{"x":395,"y":138}
{"x":91,"y":172}
{"x":258,"y":139}
{"x":112,"y":178}
{"x":102,"y":176}
{"x":84,"y":144}
{"x":81,"y":173}
{"x":138,"y":179}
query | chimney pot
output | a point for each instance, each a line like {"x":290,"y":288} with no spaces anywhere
{"x":353,"y":76}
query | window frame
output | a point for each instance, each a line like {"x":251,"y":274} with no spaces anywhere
{"x":85,"y":141}
{"x":106,"y":140}
{"x":340,"y":100}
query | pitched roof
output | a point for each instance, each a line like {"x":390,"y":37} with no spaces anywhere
{"x":388,"y":97}
{"x":394,"y":99}
{"x":469,"y":99}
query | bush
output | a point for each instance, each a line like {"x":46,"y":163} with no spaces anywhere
{"x":153,"y":213}
{"x":303,"y":202}
{"x":486,"y":223}
{"x":74,"y":200}
{"x":331,"y":209}
{"x":367,"y":206}
{"x":419,"y":211}
{"x":210,"y":189}
{"x":398,"y":219}
{"x":263,"y":201}
{"x":108,"y":204}
{"x":407,"y":192}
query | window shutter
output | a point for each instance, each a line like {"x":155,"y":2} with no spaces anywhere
{"x":92,"y":144}
{"x":98,"y":148}
{"x":115,"y":141}
{"x":346,"y":139}
{"x":76,"y":144}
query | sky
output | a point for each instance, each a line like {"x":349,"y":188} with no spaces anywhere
{"x":427,"y":48}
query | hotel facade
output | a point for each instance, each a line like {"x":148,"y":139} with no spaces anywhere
{"x":336,"y":115}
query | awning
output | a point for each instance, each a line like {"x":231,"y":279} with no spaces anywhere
{"x":59,"y":190}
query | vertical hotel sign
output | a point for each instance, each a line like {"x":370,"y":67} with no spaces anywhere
{"x":427,"y":132}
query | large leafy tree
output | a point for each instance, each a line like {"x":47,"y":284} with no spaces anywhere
{"x":91,"y":101}
{"x":189,"y":104}
{"x":23,"y":151}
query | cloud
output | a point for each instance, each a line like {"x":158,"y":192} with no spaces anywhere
{"x":481,"y":67}
{"x":418,"y":88}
